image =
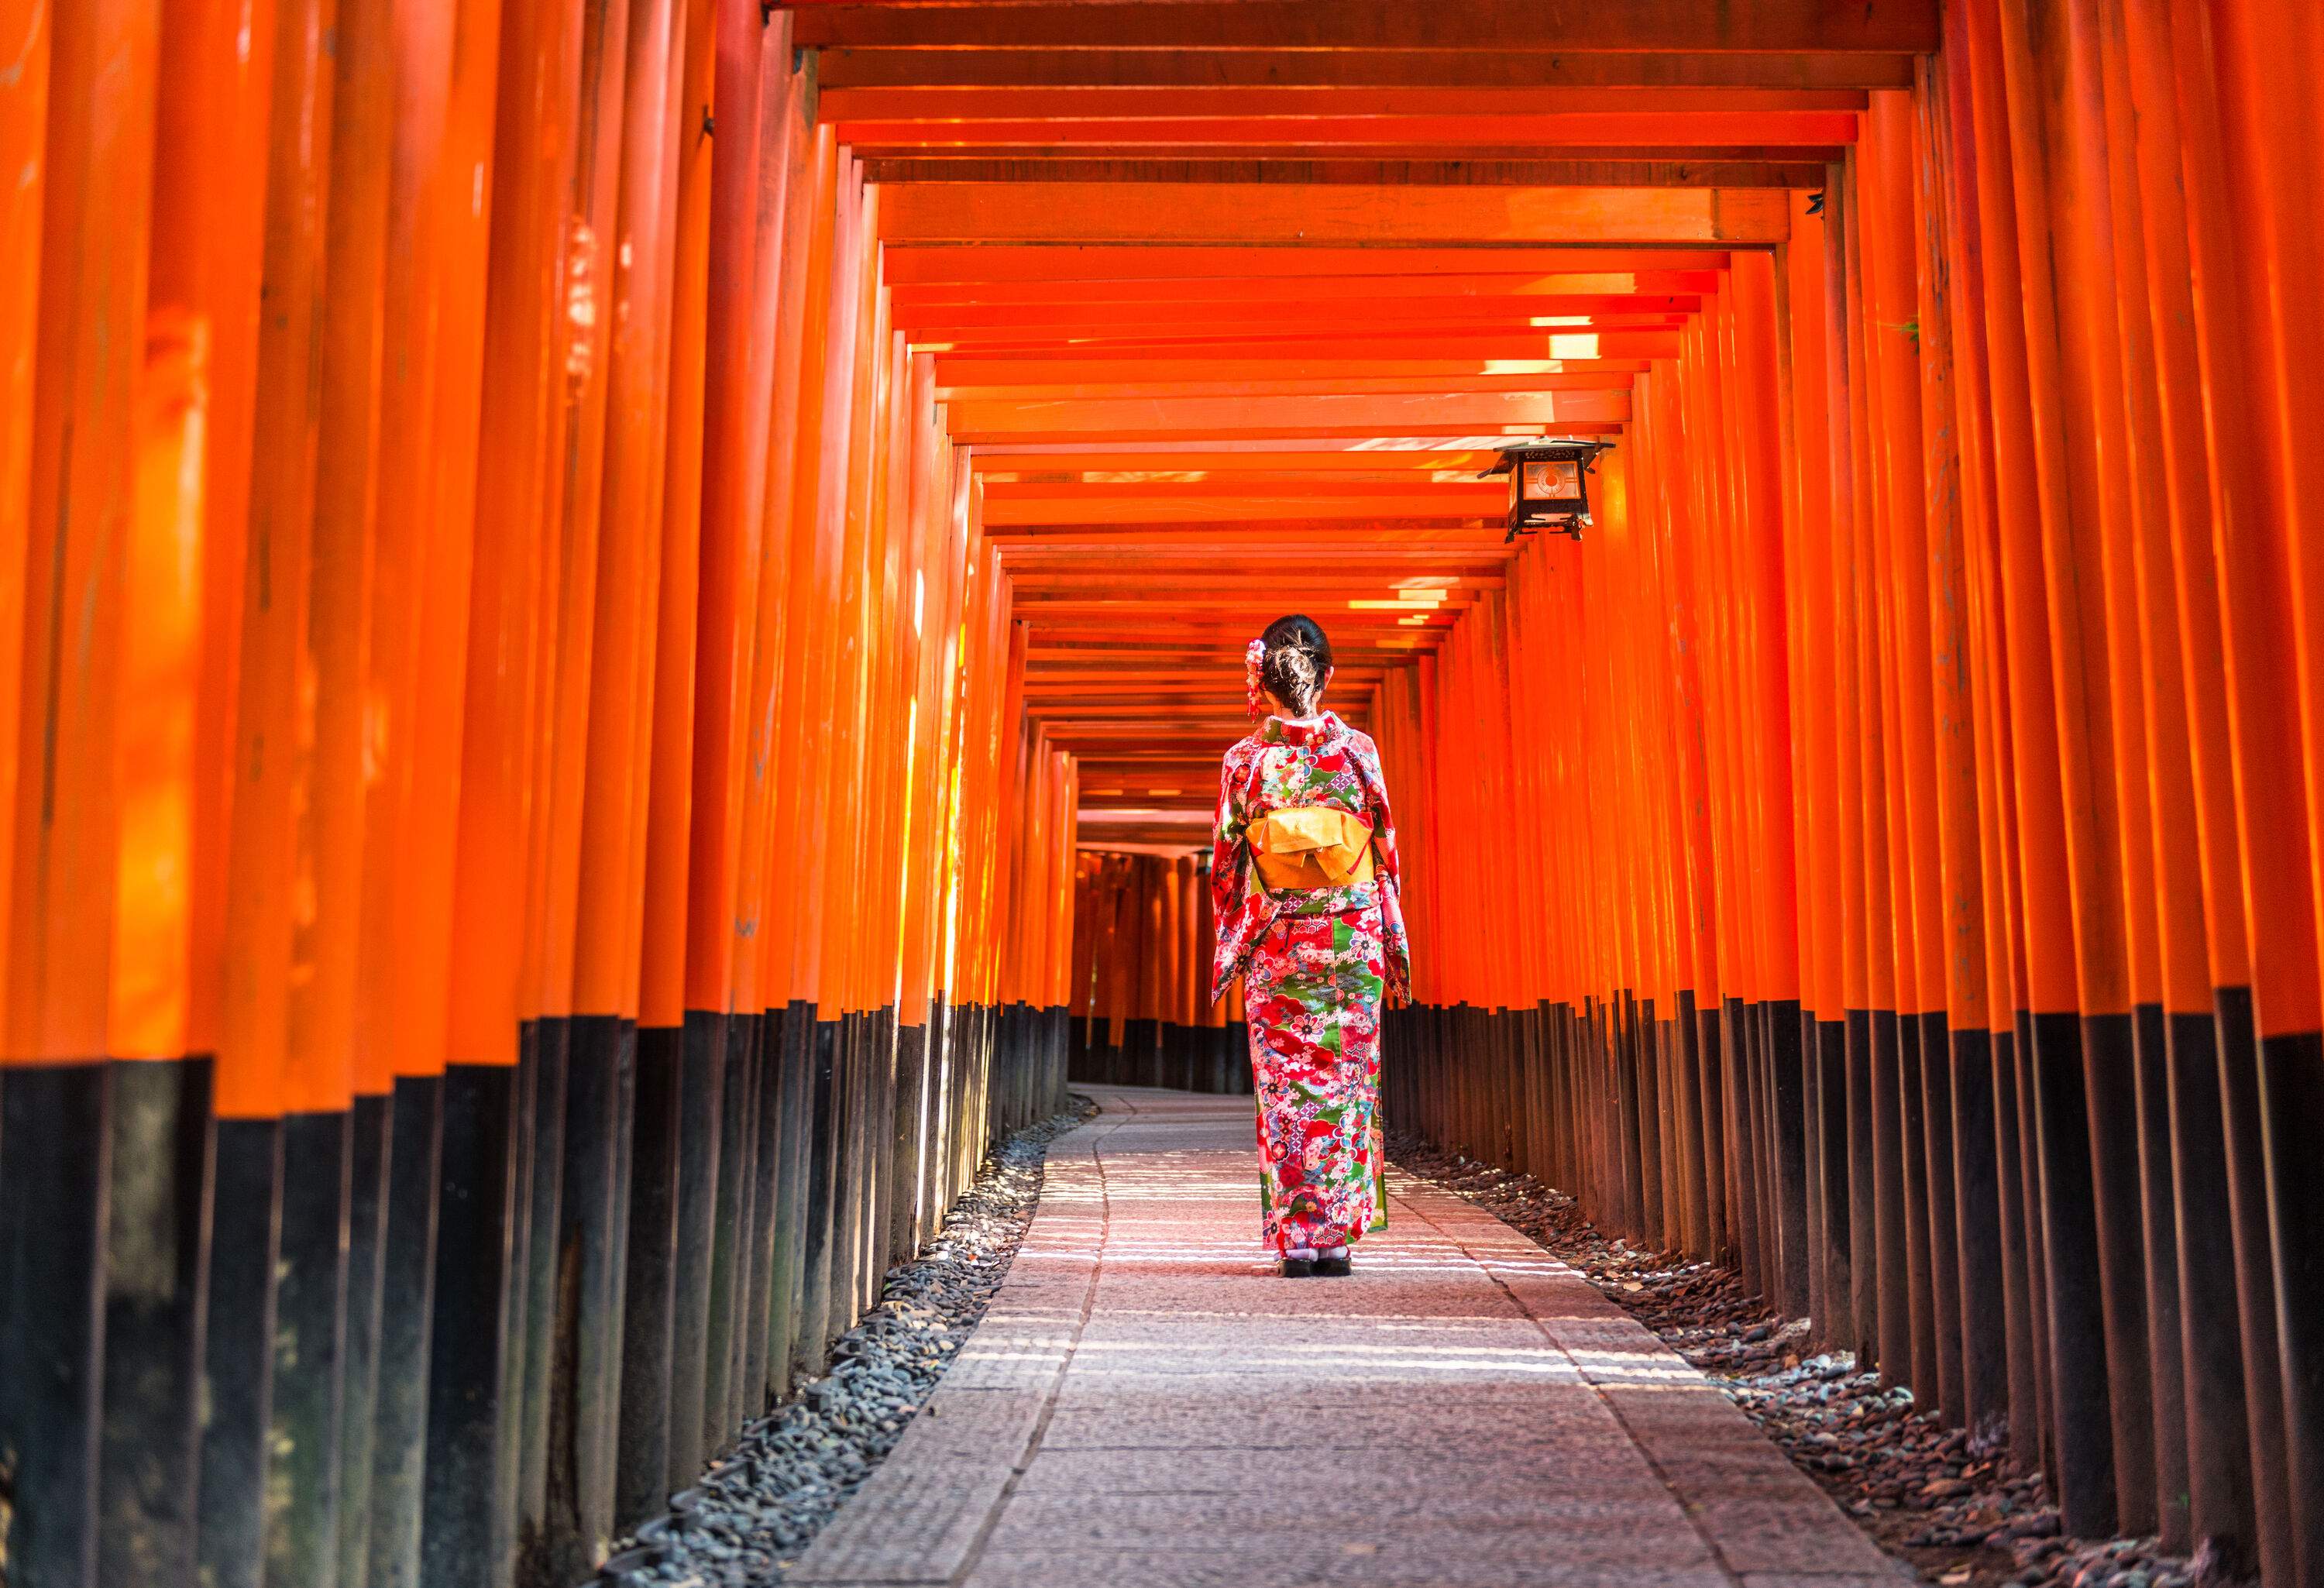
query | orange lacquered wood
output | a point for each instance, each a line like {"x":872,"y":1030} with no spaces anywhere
{"x":1808,"y":562}
{"x":445,"y":160}
{"x":496,"y":893}
{"x":2260,"y":472}
{"x":178,"y":657}
{"x":734,"y":478}
{"x":669,"y":802}
{"x":2197,"y":843}
{"x":814,"y":563}
{"x":771,"y":378}
{"x":1232,"y":213}
{"x":2044,"y":981}
{"x":1988,"y":704}
{"x":1956,"y":525}
{"x":791,"y":462}
{"x":162,"y":652}
{"x":1863,"y":781}
{"x":959,"y":269}
{"x":327,"y":941}
{"x":268,"y":878}
{"x":1153,"y":130}
{"x":1764,"y":580}
{"x":2161,"y":880}
{"x":1899,"y":364}
{"x":393,"y":860}
{"x":217,"y":85}
{"x":832,"y":857}
{"x":567,"y":638}
{"x":1462,"y":68}
{"x":2061,"y":366}
{"x":1369,"y":25}
{"x":96,"y":204}
{"x":23,"y":139}
{"x":610,"y":877}
{"x":927,"y":509}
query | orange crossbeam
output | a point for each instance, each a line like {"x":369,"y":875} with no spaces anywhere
{"x":1464,"y":68}
{"x":1226,"y":26}
{"x":1091,"y":212}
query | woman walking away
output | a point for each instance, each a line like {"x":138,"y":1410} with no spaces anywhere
{"x":1303,"y":882}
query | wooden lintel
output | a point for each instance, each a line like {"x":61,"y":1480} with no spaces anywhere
{"x":1812,"y":26}
{"x":1350,"y":216}
{"x":1808,"y":169}
{"x":1463,"y":67}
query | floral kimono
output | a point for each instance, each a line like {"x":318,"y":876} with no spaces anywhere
{"x":1314,"y":963}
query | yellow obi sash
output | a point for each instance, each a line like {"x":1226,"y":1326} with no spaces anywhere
{"x":1311,"y":846}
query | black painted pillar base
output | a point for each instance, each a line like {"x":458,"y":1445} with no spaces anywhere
{"x":752,"y":1391}
{"x":2220,"y":1487}
{"x":586,"y":1265}
{"x":1863,"y":1192}
{"x":2291,"y":1102}
{"x":2083,"y":1480}
{"x":2027,"y":1416}
{"x":467,"y":1529}
{"x":157,"y":1272}
{"x":1141,"y":1052}
{"x":1943,"y":1217}
{"x":372,"y":1129}
{"x":1888,"y":1202}
{"x":810,"y":1342}
{"x":1788,"y":1100}
{"x":2111,"y":1100}
{"x":1835,"y":1218}
{"x":843,"y":1256}
{"x":2240,"y":1095}
{"x":794,"y":1047}
{"x":55,"y":1142}
{"x":547,"y":1042}
{"x":407,"y":1309}
{"x":1978,"y":1218}
{"x":729,"y":1243}
{"x":2172,"y":1488}
{"x":1923,"y":1375}
{"x":309,"y":1346}
{"x":1079,"y":1056}
{"x":1710,"y":1049}
{"x":701,"y":1104}
{"x":238,"y":1352}
{"x":641,"y":1486}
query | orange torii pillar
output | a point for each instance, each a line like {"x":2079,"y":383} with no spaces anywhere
{"x":1144,"y":940}
{"x":1082,"y":972}
{"x":381,"y":875}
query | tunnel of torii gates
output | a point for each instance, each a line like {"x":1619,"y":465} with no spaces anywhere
{"x":619,"y":615}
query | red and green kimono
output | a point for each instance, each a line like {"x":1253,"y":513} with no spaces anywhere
{"x":1315,"y":964}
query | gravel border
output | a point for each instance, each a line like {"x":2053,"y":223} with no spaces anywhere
{"x":757,"y":1509}
{"x":1957,"y":1513}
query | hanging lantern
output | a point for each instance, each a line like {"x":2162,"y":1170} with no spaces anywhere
{"x":1549,"y":484}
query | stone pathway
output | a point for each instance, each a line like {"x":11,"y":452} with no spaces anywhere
{"x":1147,"y":1403}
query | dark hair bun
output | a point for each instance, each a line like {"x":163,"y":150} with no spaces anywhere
{"x":1297,"y":657}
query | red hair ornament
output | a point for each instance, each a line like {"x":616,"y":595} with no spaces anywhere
{"x":1254,"y":657}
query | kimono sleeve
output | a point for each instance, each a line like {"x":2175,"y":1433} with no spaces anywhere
{"x":1232,"y":903}
{"x":1391,"y":871}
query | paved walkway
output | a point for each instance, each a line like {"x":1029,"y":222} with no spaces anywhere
{"x":1145,"y":1403}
